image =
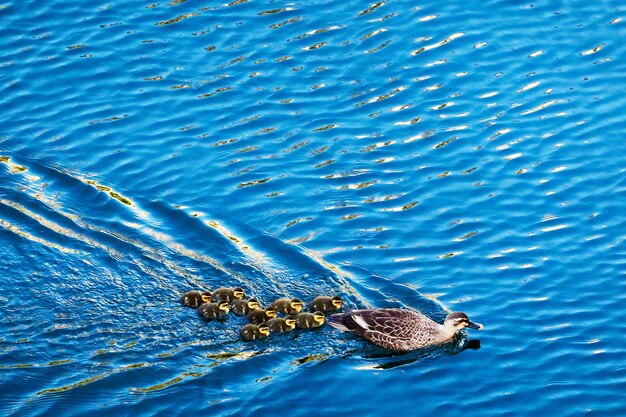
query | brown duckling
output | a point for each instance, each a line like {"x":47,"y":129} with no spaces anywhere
{"x":280,"y":325}
{"x":261,"y":316}
{"x":287,"y":306}
{"x":210,"y":311}
{"x":228,"y":294}
{"x":252,"y":331}
{"x":243,"y":307}
{"x":325,"y":304}
{"x":309,"y":320}
{"x":194,"y":299}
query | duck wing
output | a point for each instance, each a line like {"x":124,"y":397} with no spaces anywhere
{"x":391,"y":322}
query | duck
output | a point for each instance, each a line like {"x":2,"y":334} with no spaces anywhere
{"x":228,"y":294}
{"x":309,"y":320}
{"x":243,"y":307}
{"x":399,"y":329}
{"x":194,"y":299}
{"x":259,"y":316}
{"x":287,"y":306}
{"x":325,"y":304}
{"x":210,"y":311}
{"x":251,"y":332}
{"x":282,"y":325}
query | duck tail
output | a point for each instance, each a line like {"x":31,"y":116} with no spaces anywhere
{"x":342,"y":321}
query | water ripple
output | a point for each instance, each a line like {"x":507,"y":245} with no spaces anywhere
{"x":432,"y":155}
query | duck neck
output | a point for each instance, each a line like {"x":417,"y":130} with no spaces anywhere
{"x":447,"y":329}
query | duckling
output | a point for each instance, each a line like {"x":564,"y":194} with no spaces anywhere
{"x":261,"y":316}
{"x":252,"y":331}
{"x":243,"y":307}
{"x":287,"y":306}
{"x":325,"y":304}
{"x":194,"y":299}
{"x":308,"y":320}
{"x":282,"y":325}
{"x":227,"y":294}
{"x":210,"y":311}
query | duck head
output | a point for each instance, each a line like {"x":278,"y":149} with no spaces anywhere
{"x":238,"y":292}
{"x":223,"y":305}
{"x":253,"y":304}
{"x":206,"y":297}
{"x":290,"y":321}
{"x":296,"y":305}
{"x":337,"y":301}
{"x":319,"y":317}
{"x":270,"y":312}
{"x":457,"y":321}
{"x":264,"y":329}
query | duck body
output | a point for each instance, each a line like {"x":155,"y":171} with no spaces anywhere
{"x":261,"y":316}
{"x":211,"y":311}
{"x":287,"y":306}
{"x":193,"y":299}
{"x":243,"y":307}
{"x":280,"y":325}
{"x":227,"y":294}
{"x":325,"y":304}
{"x":310,"y":320}
{"x":251,"y":332}
{"x":400,"y":330}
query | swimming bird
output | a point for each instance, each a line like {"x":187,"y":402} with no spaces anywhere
{"x":308,"y":320}
{"x":325,"y":304}
{"x":280,"y":325}
{"x":399,"y":329}
{"x":194,"y":299}
{"x":261,"y":316}
{"x":243,"y":307}
{"x":210,"y":311}
{"x":287,"y":306}
{"x":252,"y":331}
{"x":228,"y":294}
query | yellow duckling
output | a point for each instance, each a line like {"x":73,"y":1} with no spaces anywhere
{"x":261,"y":316}
{"x":210,"y":311}
{"x":243,"y":307}
{"x":279,"y":325}
{"x":287,"y":306}
{"x":194,"y":299}
{"x":228,"y":294}
{"x":309,"y":320}
{"x":252,"y":331}
{"x":325,"y":304}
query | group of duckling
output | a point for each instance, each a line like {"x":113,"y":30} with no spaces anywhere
{"x":262,"y":321}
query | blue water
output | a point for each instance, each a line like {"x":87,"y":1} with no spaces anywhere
{"x":438,"y":155}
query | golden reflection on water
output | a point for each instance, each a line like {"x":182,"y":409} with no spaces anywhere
{"x":13,"y":168}
{"x":166,"y":384}
{"x":176,"y":19}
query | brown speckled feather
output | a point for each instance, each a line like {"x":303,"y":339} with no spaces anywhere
{"x":391,"y":328}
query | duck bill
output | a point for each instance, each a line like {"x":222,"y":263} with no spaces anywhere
{"x":475,"y":326}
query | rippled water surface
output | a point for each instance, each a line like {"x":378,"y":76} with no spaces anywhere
{"x":438,"y":155}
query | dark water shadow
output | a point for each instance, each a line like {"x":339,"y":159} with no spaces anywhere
{"x":388,"y":360}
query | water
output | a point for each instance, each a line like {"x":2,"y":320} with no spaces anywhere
{"x":433,"y":155}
